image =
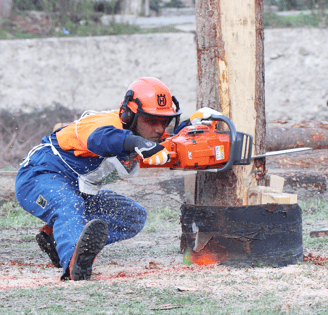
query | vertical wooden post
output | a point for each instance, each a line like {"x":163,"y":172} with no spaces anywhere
{"x":230,"y":66}
{"x":146,"y":8}
{"x":5,"y":8}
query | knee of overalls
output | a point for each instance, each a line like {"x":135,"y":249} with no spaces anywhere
{"x":125,"y":217}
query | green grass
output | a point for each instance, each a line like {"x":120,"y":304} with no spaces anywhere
{"x":315,"y":212}
{"x":161,"y":218}
{"x":273,"y":20}
{"x":13,"y":215}
{"x":96,"y":29}
{"x":7,"y":31}
{"x":124,"y":298}
{"x":316,"y":209}
{"x":316,"y":243}
{"x":7,"y":169}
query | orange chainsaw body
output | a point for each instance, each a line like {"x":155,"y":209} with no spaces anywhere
{"x":196,"y":147}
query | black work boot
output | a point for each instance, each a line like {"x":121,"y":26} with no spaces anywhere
{"x":47,"y":243}
{"x":91,"y":241}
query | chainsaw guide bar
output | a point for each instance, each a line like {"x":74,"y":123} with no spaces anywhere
{"x":280,"y":152}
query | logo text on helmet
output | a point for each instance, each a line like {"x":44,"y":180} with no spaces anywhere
{"x":161,"y":100}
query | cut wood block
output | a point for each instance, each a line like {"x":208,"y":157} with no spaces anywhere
{"x":292,"y":198}
{"x":275,"y":182}
{"x":254,"y":194}
{"x":319,"y":233}
{"x":190,"y":188}
{"x":279,"y":198}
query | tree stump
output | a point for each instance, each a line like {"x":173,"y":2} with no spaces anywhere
{"x":242,"y":236}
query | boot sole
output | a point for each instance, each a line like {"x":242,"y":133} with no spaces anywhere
{"x":92,"y":240}
{"x":47,"y":245}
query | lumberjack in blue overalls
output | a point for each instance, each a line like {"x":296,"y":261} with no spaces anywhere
{"x":60,"y":180}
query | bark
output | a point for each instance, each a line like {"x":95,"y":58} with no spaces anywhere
{"x":230,"y":66}
{"x":310,"y":181}
{"x":5,"y":8}
{"x":319,"y":233}
{"x":131,"y":7}
{"x":146,"y":7}
{"x":279,"y":138}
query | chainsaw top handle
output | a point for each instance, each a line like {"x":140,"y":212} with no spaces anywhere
{"x":233,"y":139}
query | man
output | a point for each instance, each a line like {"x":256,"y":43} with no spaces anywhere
{"x":60,"y":180}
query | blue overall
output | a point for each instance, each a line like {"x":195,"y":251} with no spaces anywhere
{"x":48,"y":189}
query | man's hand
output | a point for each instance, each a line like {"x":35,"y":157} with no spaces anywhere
{"x":202,"y":113}
{"x":158,"y":158}
{"x":152,"y":153}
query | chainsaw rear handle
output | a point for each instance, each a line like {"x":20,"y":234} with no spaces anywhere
{"x":233,"y":140}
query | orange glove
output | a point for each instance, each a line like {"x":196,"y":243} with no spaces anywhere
{"x":158,"y":158}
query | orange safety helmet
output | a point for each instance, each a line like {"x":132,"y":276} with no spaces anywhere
{"x":148,"y":97}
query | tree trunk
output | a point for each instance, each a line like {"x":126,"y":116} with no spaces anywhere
{"x":146,"y":7}
{"x":280,"y":138}
{"x":5,"y":8}
{"x":64,"y":9}
{"x":131,"y":7}
{"x":230,"y":65}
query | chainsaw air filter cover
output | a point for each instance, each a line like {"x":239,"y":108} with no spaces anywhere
{"x":199,"y":148}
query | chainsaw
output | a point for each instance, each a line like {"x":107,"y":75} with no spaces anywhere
{"x":204,"y":147}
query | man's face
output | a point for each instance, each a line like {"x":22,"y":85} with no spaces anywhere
{"x":151,"y":128}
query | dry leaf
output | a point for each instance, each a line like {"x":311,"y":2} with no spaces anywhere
{"x":285,"y":308}
{"x":152,"y":265}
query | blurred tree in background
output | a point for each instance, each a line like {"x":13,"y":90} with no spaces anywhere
{"x":286,"y":5}
{"x":72,"y":9}
{"x":5,"y":8}
{"x":85,"y":17}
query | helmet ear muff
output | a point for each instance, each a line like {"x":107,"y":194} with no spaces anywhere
{"x":126,"y":114}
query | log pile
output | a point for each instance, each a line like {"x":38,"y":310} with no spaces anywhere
{"x":281,"y":136}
